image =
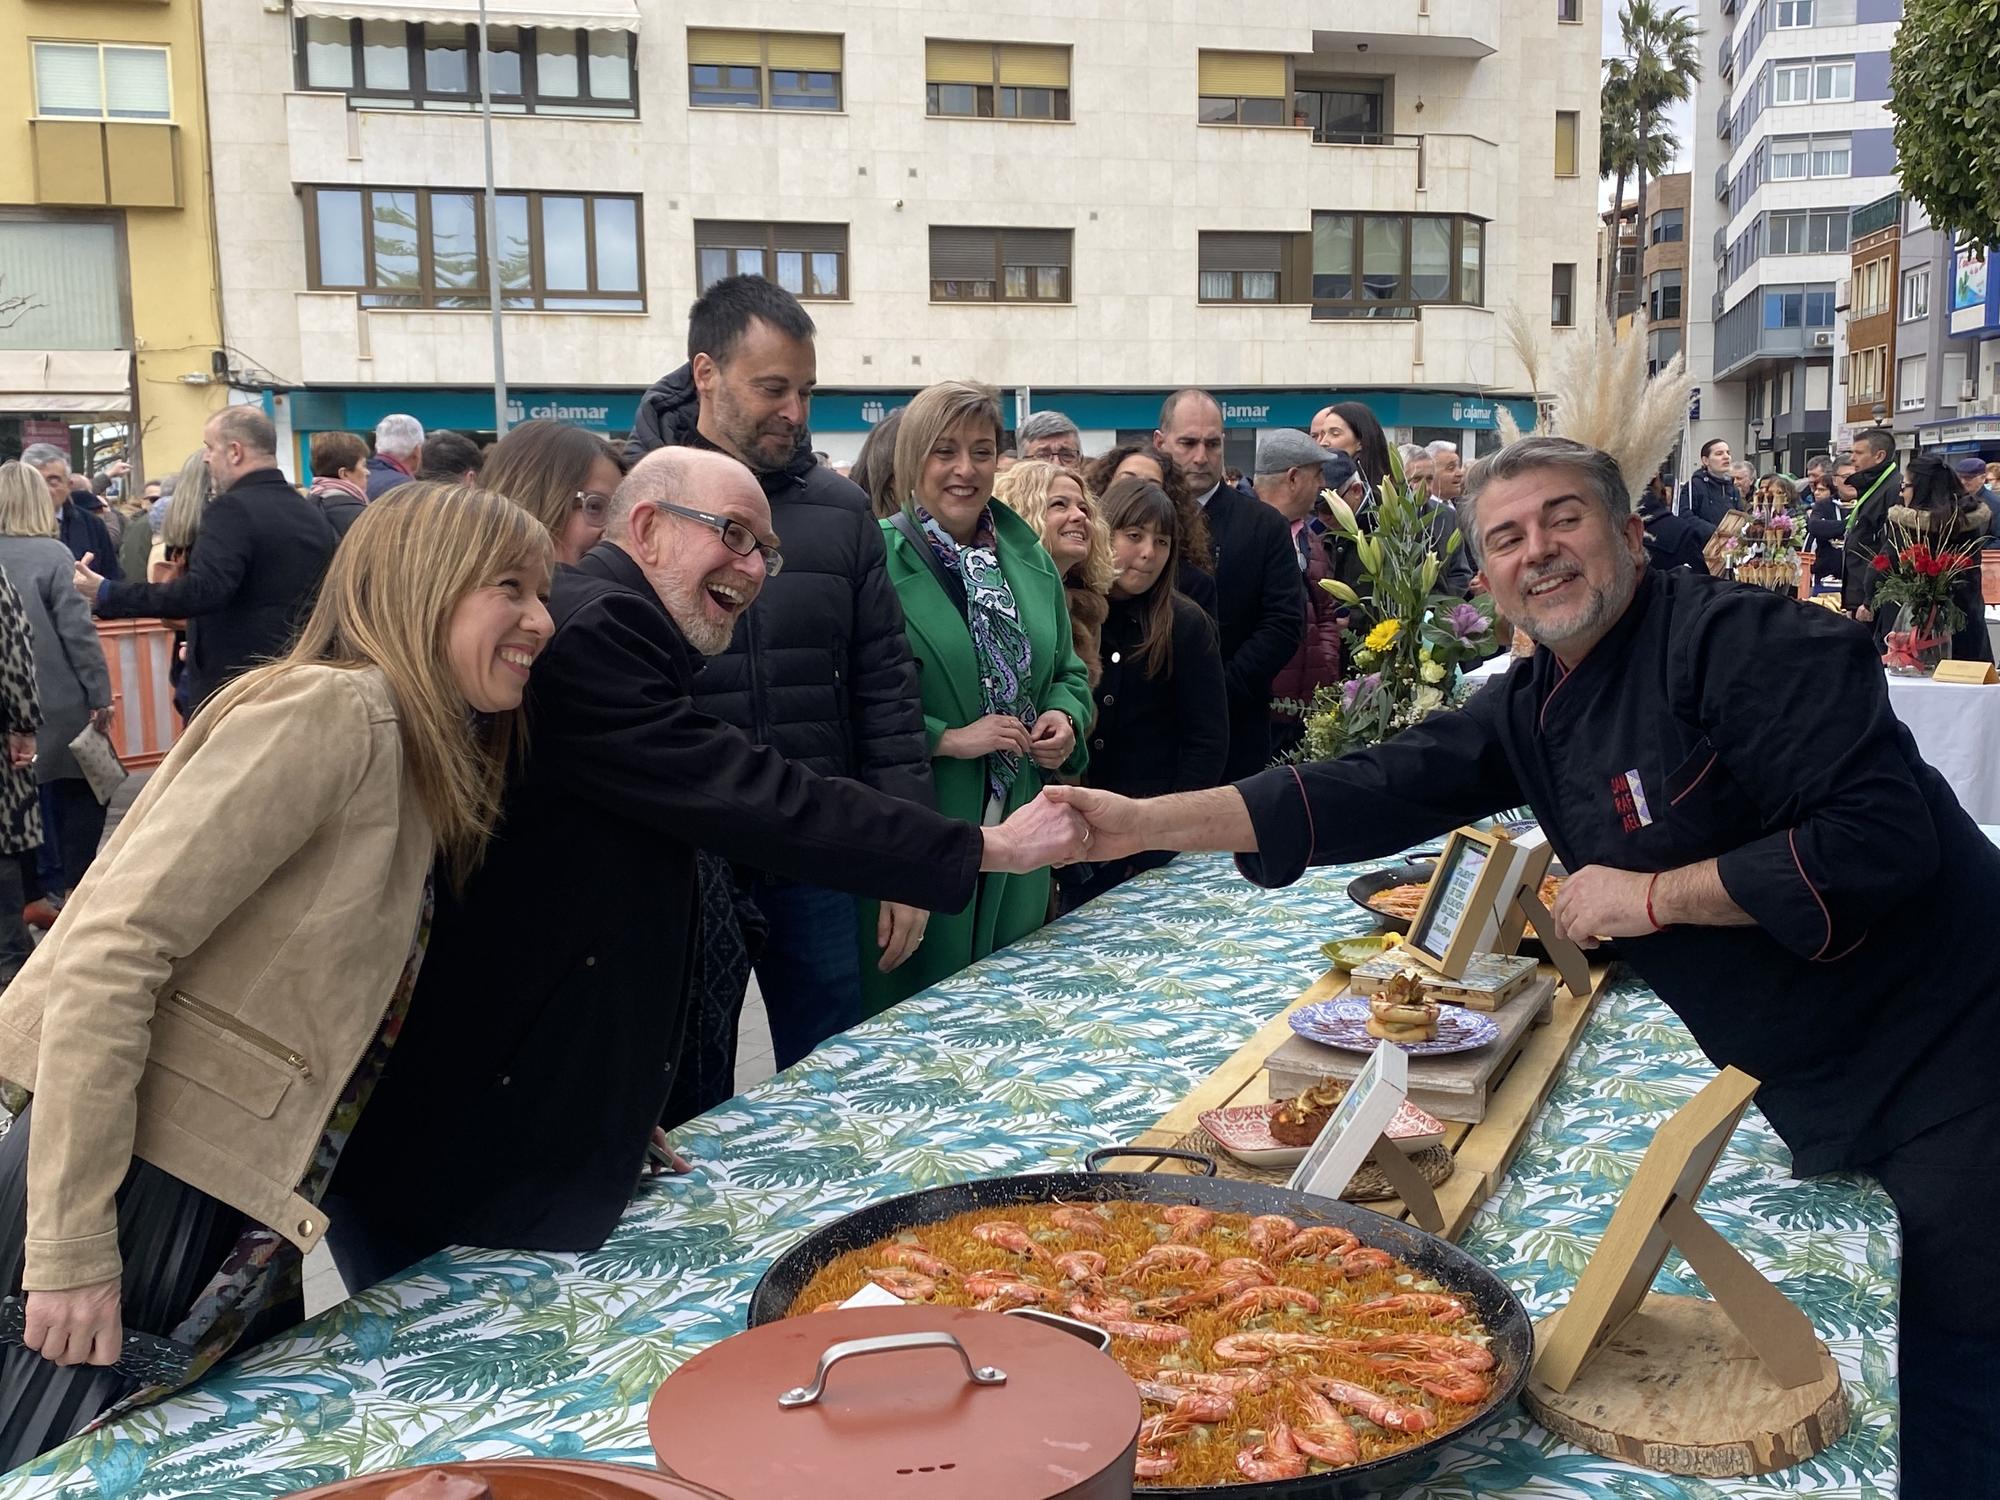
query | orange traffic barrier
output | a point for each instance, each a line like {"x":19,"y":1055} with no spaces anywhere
{"x":1989,"y":576}
{"x":144,"y":725}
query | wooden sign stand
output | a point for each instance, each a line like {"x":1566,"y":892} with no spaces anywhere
{"x":1410,"y":1184}
{"x":1371,"y":1103}
{"x":1740,"y":1385}
{"x":1490,"y":912}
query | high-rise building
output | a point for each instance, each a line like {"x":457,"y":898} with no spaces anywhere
{"x":1792,"y":133}
{"x":109,"y":321}
{"x":1945,"y":382}
{"x":1089,"y":206}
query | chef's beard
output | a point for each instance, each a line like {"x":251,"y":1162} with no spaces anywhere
{"x":1588,"y":619}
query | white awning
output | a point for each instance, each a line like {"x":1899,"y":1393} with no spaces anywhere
{"x":590,"y":15}
{"x":77,"y":381}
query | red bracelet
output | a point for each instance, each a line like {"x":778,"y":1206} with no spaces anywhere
{"x":1657,"y":927}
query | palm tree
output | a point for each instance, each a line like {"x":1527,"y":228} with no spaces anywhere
{"x":1661,"y":42}
{"x":1617,"y":157}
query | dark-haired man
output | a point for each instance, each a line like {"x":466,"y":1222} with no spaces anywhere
{"x":264,"y":549}
{"x":1719,"y":769}
{"x":821,"y":669}
{"x":1260,"y":600}
{"x":1868,"y":492}
{"x":1711,"y":489}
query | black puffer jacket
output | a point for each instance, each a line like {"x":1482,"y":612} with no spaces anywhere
{"x":820,"y":669}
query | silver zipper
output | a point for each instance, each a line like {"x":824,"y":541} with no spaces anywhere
{"x":223,"y":1020}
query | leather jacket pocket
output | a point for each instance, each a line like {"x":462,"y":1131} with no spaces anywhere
{"x":211,"y":1048}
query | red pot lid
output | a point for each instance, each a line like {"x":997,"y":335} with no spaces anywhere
{"x":908,"y":1422}
{"x":513,"y":1479}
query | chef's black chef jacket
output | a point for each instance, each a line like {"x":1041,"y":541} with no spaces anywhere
{"x":1719,"y":721}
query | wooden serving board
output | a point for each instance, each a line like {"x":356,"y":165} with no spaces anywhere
{"x":1456,"y":1086}
{"x":1481,"y":1153}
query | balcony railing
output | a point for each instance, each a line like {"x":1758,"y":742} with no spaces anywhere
{"x":1726,"y":63}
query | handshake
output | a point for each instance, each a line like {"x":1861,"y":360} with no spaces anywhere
{"x":1063,"y":826}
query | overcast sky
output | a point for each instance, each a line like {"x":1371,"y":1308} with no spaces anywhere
{"x":1681,"y":117}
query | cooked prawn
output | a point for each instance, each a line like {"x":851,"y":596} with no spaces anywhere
{"x":1156,"y":1434}
{"x":1145,"y":1333}
{"x":1262,"y":1299}
{"x":1447,"y":1382}
{"x":1230,"y":1383}
{"x":1188,"y":1221}
{"x":1100,"y":1309}
{"x":1364,"y":1260}
{"x":1437,"y":1348}
{"x":1435,"y":1306}
{"x":1257,"y":1348}
{"x":1170,"y":1258}
{"x":1324,"y":1433}
{"x":1377,"y":1408}
{"x":1005,"y":1234}
{"x":1277,"y":1457}
{"x":1269,"y":1232}
{"x":1079,"y":1221}
{"x":900,"y":1281}
{"x":1196,"y":1406}
{"x":1319,"y":1241}
{"x":919,"y":1259}
{"x":1081,"y":1267}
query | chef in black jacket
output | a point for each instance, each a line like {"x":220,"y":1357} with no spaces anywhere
{"x":547,"y":1020}
{"x":1260,"y":597}
{"x":1719,"y":768}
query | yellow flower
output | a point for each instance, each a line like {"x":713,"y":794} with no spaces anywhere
{"x":1431,"y":672}
{"x":1383,"y":636}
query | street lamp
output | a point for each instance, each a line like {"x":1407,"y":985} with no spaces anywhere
{"x":1879,"y":412}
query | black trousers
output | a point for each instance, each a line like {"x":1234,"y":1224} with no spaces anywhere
{"x":1946,"y":1186}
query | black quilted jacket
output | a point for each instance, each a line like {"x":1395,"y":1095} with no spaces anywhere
{"x":820,"y":668}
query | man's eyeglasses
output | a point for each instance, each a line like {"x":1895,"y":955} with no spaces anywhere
{"x":596,"y":508}
{"x":737,"y":537}
{"x":1060,"y":455}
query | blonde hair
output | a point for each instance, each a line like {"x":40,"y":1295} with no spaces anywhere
{"x":26,"y":506}
{"x":1025,"y":490}
{"x":936,"y":410}
{"x":194,"y":487}
{"x":396,"y":579}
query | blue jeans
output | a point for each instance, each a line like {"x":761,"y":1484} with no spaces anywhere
{"x":810,"y":968}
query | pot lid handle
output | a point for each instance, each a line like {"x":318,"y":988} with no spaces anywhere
{"x":1095,"y":1160}
{"x":893,"y":1343}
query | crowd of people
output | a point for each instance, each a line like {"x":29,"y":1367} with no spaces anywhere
{"x":442,"y":685}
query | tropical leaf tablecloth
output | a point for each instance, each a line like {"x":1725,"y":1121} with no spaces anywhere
{"x":1081,"y":1036}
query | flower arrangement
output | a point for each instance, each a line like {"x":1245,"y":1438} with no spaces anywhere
{"x":1918,"y":579}
{"x":1405,"y":663}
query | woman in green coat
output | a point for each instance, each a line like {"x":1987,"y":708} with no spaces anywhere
{"x":1006,"y":698}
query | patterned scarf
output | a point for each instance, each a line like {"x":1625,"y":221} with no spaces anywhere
{"x":1000,"y":642}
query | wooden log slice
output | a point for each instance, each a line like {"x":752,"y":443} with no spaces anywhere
{"x":1678,"y":1389}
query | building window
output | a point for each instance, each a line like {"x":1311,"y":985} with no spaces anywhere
{"x":1562,"y":299}
{"x":1789,"y":15}
{"x":1916,"y":294}
{"x":1342,"y":111}
{"x":1832,"y":156}
{"x":1911,"y":376}
{"x":1805,"y":232}
{"x":1000,"y":265}
{"x":795,"y":70}
{"x":1867,"y":375}
{"x":1243,"y":88}
{"x":1387,"y":265}
{"x":1800,"y":156}
{"x":1662,"y":344}
{"x":996,"y":80}
{"x":1566,"y":143}
{"x":1819,"y":308}
{"x":807,"y":260}
{"x":426,"y":247}
{"x":1663,"y":296}
{"x":410,"y":65}
{"x":1669,"y":226}
{"x":1816,"y":81}
{"x":1243,"y":267}
{"x":1569,"y":12}
{"x":101,"y":81}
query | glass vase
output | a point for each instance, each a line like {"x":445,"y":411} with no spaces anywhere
{"x":1917,"y":640}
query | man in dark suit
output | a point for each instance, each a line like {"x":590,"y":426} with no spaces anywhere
{"x":567,"y":1035}
{"x":256,"y":566}
{"x":77,"y":525}
{"x":1260,"y":598}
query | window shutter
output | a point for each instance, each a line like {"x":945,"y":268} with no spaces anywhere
{"x":135,"y":83}
{"x":1250,"y":75}
{"x":1242,"y":252}
{"x":1035,"y":67}
{"x":958,"y":62}
{"x":66,"y":80}
{"x":730,"y":234}
{"x":741,"y":49}
{"x":804,"y":52}
{"x":813,"y":237}
{"x":1034,"y":247}
{"x":962,"y":255}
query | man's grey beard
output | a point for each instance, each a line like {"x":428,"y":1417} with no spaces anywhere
{"x":1606,"y":605}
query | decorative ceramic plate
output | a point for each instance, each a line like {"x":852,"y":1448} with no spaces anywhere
{"x":1344,"y":1024}
{"x":1244,"y":1131}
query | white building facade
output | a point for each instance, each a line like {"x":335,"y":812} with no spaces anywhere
{"x":1289,"y":202}
{"x":1792,"y":132}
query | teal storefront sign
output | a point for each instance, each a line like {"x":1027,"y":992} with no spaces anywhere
{"x":610,"y":411}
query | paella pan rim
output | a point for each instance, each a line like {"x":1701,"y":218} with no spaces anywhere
{"x":1506,"y":1320}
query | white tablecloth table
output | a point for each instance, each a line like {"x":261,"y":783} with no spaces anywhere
{"x":1957,"y":728}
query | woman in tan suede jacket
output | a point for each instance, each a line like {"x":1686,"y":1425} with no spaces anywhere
{"x":202,"y":1026}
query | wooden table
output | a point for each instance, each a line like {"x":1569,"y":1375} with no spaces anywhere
{"x":1480,"y":1152}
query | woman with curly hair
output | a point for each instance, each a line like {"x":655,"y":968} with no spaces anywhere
{"x":1062,"y":508}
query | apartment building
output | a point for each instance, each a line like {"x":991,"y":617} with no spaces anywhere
{"x":1792,"y":132}
{"x":1663,"y":267}
{"x":1868,"y":375}
{"x":1947,"y":343}
{"x":1289,"y":202}
{"x":109,"y":318}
